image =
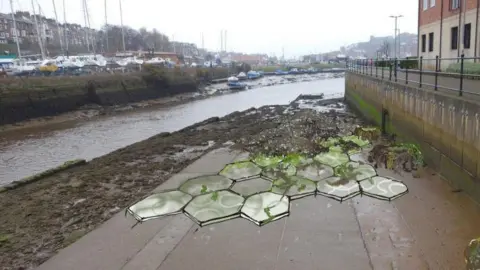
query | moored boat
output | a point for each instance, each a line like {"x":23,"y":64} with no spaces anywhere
{"x":234,"y":84}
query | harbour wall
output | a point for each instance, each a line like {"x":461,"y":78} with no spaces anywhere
{"x":446,"y":127}
{"x":23,"y":103}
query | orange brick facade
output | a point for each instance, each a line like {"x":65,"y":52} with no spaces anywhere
{"x":443,"y":25}
{"x":433,"y":14}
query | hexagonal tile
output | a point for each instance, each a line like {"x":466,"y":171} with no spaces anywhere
{"x":214,"y":207}
{"x":205,"y":184}
{"x":315,"y":172}
{"x":297,"y":188}
{"x":383,"y":188}
{"x":472,"y":254}
{"x":332,"y":159}
{"x":337,"y":188}
{"x":355,"y":171}
{"x":160,"y":204}
{"x":266,"y":161}
{"x":252,"y":186}
{"x":240,"y":170}
{"x":265,"y":207}
{"x":283,"y":169}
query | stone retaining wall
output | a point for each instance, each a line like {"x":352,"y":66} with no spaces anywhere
{"x":446,"y":127}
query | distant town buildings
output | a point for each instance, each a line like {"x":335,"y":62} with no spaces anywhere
{"x":448,"y":28}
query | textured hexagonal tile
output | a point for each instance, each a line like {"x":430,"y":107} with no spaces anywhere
{"x":205,"y":184}
{"x":295,"y":187}
{"x":252,"y":186}
{"x":282,"y":170}
{"x":472,"y":254}
{"x":383,"y":188}
{"x":315,"y":172}
{"x":160,"y":204}
{"x":332,"y":159}
{"x":355,"y":171}
{"x":337,"y":188}
{"x":214,"y":207}
{"x":240,"y":170}
{"x":265,"y":207}
{"x":266,"y":161}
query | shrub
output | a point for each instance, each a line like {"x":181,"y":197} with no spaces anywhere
{"x":409,"y":63}
{"x":468,"y":68}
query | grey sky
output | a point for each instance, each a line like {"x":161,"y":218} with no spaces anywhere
{"x":264,"y":26}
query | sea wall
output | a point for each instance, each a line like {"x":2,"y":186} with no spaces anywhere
{"x":446,"y":127}
{"x":23,"y":99}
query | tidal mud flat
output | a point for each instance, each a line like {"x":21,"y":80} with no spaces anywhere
{"x":42,"y":217}
{"x":90,"y":111}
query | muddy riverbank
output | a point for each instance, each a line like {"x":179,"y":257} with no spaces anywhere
{"x":30,"y":149}
{"x":91,"y":110}
{"x":45,"y":216}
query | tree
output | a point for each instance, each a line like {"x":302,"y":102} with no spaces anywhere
{"x":385,"y":49}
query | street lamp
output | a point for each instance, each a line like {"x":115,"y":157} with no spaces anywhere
{"x":395,"y":36}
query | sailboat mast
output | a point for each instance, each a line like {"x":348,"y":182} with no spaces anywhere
{"x":86,"y":26}
{"x":106,"y":28}
{"x":58,"y":26}
{"x":65,"y":27}
{"x":121,"y":22}
{"x":19,"y":53}
{"x":88,"y":23}
{"x":38,"y":31}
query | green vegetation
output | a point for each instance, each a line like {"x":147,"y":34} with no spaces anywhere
{"x":468,"y":68}
{"x":409,"y":63}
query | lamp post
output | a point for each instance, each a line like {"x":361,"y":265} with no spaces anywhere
{"x":395,"y":36}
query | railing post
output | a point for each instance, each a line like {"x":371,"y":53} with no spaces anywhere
{"x":363,"y":66}
{"x":390,"y":69}
{"x":395,"y":70}
{"x":383,"y":64}
{"x":371,"y":66}
{"x":406,"y":73}
{"x":461,"y":74}
{"x":421,"y":68}
{"x":376,"y":68}
{"x":436,"y":72}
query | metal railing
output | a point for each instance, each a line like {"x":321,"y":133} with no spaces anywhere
{"x":460,"y":75}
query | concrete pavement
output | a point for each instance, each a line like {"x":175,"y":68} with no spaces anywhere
{"x":428,"y":228}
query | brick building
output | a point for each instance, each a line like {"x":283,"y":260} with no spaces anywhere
{"x":448,"y":28}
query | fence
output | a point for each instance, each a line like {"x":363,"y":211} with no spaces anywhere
{"x":456,"y":75}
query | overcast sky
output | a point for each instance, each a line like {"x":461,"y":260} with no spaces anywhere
{"x":264,"y":26}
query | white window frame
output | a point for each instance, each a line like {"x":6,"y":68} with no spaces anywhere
{"x":432,"y":3}
{"x":425,"y":5}
{"x":454,"y":4}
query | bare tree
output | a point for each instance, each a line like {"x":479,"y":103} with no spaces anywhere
{"x":385,"y":49}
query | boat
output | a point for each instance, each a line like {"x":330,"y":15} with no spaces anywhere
{"x":281,"y":72}
{"x":20,"y":67}
{"x":234,"y":84}
{"x":252,"y":75}
{"x":155,"y":61}
{"x":242,"y":76}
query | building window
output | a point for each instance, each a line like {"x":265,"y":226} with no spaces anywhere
{"x":425,"y":4}
{"x":454,"y":38}
{"x":432,"y":3}
{"x":467,"y":35}
{"x":424,"y":42}
{"x":430,"y":42}
{"x":454,"y":4}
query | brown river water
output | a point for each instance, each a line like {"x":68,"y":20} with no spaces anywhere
{"x":31,"y":151}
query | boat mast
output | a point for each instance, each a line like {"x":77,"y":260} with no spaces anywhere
{"x":121,"y":22}
{"x":106,"y":27}
{"x":86,"y":26}
{"x":65,"y":27}
{"x":15,"y":29}
{"x":38,"y":31}
{"x":92,"y":40}
{"x":58,"y":26}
